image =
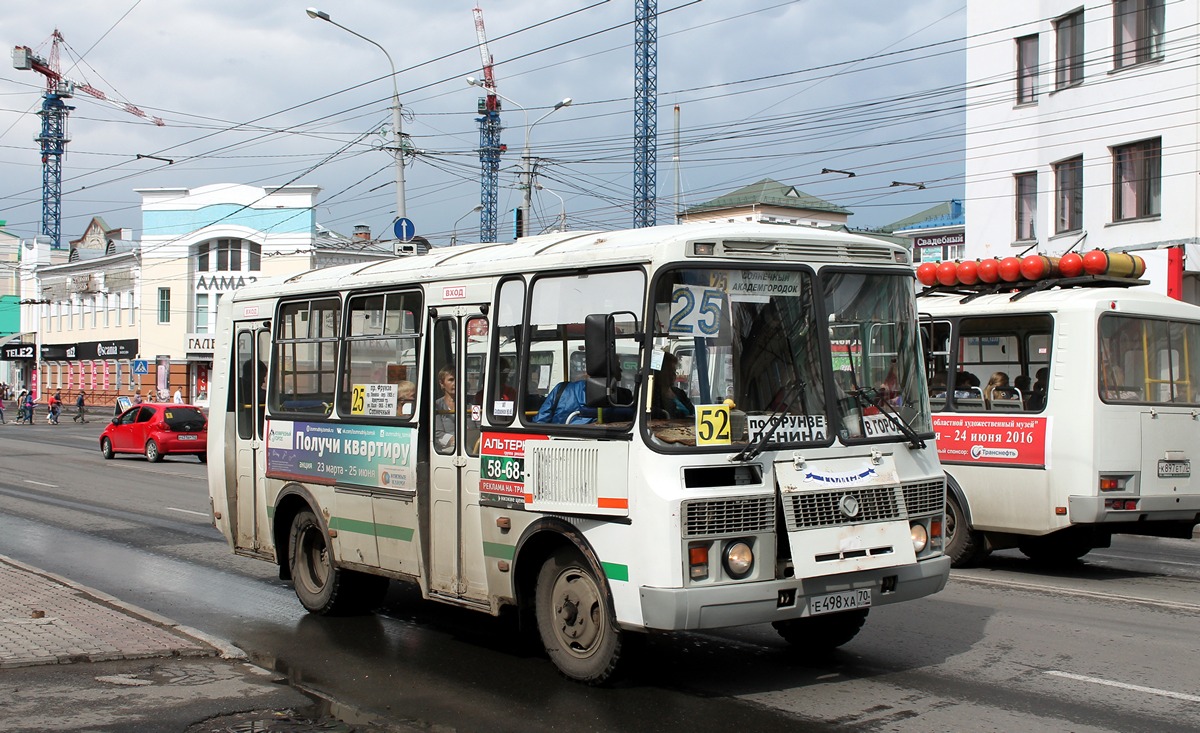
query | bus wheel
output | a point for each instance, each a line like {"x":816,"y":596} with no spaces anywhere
{"x":822,"y":634}
{"x":322,"y":588}
{"x":575,"y":620}
{"x":964,"y":546}
{"x":1056,"y":549}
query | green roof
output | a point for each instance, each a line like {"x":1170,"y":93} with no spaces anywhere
{"x":768,"y":192}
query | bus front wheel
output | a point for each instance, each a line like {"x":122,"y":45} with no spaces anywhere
{"x":322,"y":588}
{"x":822,"y":634}
{"x":964,"y":546}
{"x":575,"y":620}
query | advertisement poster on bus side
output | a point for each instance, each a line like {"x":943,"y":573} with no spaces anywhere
{"x":1017,"y":440}
{"x":376,"y":456}
{"x":502,"y":469}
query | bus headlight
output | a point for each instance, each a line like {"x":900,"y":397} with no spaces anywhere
{"x":739,"y":559}
{"x":920,"y":537}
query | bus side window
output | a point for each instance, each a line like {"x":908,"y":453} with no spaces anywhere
{"x":505,"y":382}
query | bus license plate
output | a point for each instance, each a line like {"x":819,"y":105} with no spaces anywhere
{"x":1174,"y":469}
{"x":845,"y":601}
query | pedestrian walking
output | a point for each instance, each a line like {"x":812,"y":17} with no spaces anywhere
{"x":28,"y":405}
{"x":20,"y":408}
{"x":55,"y":403}
{"x":2,"y":398}
{"x":80,"y":415}
{"x":177,"y":398}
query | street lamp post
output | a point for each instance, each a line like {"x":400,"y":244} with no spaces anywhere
{"x":527,"y":157}
{"x":397,"y":132}
{"x":454,"y":231}
{"x":562,"y":211}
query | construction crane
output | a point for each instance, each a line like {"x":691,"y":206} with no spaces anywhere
{"x":645,"y":110}
{"x":489,"y":138}
{"x":53,"y":137}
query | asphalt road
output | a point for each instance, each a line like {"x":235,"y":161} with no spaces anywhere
{"x":1109,"y":645}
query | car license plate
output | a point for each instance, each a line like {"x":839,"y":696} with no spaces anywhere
{"x":847,"y":600}
{"x":1174,"y":469}
{"x":187,"y":437}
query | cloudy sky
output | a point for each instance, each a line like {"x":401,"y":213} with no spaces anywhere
{"x":258,"y":93}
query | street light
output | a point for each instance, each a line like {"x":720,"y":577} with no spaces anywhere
{"x":397,"y":134}
{"x":562,"y":216}
{"x":454,"y":231}
{"x":526,"y":159}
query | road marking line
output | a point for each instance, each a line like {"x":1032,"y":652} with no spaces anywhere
{"x":187,"y":511}
{"x":1125,"y":686}
{"x":1111,"y":556}
{"x":39,"y":483}
{"x":958,"y":575}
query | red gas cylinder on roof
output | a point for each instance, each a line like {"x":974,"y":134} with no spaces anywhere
{"x":1010,"y":269}
{"x":927,"y":274}
{"x":989,"y":271}
{"x":1039,"y":267}
{"x":1071,"y":265}
{"x":1113,"y":264}
{"x":947,"y":273}
{"x":968,"y":272}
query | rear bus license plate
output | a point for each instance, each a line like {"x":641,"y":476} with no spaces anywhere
{"x":187,"y":437}
{"x":1174,"y":469}
{"x":847,"y":600}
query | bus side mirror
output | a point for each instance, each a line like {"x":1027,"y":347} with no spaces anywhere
{"x":603,"y":368}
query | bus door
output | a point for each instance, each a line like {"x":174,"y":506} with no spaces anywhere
{"x":456,"y":565}
{"x":252,"y":354}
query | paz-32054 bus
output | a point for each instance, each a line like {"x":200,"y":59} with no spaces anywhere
{"x":1096,"y":428}
{"x":667,"y":428}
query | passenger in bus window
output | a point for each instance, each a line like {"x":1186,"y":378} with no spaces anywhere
{"x":443,"y":410}
{"x":406,"y":395}
{"x":997,"y":383}
{"x":1037,"y":397}
{"x":965,"y":384}
{"x":669,"y":401}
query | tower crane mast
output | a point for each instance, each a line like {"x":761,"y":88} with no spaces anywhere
{"x":489,"y":138}
{"x":53,"y":137}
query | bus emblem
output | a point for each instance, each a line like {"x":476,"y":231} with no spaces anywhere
{"x":848,"y":505}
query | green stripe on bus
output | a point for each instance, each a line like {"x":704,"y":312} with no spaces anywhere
{"x":498,"y":551}
{"x":386,"y":531}
{"x":270,"y":512}
{"x":392,"y":532}
{"x":615,"y":571}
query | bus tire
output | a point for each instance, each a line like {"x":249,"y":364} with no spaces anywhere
{"x":575,"y":619}
{"x":322,"y":588}
{"x":964,"y":546}
{"x":822,"y":634}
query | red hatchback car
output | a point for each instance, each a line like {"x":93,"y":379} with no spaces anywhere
{"x":157,"y":430}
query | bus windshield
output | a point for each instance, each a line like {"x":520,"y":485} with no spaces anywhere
{"x":875,"y":353}
{"x":749,"y":339}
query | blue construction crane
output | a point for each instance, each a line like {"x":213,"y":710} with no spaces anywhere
{"x":645,"y":111}
{"x":489,"y":139}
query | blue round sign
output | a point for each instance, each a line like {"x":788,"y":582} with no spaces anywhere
{"x":404,"y":229}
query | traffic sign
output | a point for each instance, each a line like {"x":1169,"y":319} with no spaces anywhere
{"x":141,"y":366}
{"x":404,"y":229}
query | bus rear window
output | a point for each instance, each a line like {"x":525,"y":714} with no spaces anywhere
{"x":1152,"y":361}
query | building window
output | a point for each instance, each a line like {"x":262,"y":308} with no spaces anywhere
{"x":1027,"y":69}
{"x":1137,"y":31}
{"x":1068,"y":35}
{"x":1026,"y":189}
{"x":164,"y":305}
{"x":1068,"y":195}
{"x":227,"y":255}
{"x":254,"y":255}
{"x":1137,"y":180}
{"x":202,"y":257}
{"x":202,"y":313}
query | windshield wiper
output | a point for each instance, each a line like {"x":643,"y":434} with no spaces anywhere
{"x":751,"y":451}
{"x":871,"y":397}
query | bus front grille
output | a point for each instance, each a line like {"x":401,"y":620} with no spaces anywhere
{"x":728,"y":516}
{"x":828,"y":509}
{"x":925,"y":497}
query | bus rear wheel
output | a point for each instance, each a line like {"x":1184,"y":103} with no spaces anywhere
{"x":964,"y":546}
{"x":822,"y":634}
{"x":575,"y":619}
{"x":322,"y":588}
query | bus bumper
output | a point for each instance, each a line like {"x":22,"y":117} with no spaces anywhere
{"x":739,"y":604}
{"x":1168,"y":508}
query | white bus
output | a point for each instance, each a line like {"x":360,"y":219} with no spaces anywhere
{"x":777,"y":478}
{"x":1094,"y":433}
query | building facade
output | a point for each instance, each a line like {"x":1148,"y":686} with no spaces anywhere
{"x":1082,"y":132}
{"x":122,"y":316}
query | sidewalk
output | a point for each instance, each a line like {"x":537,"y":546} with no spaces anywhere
{"x":76,"y":659}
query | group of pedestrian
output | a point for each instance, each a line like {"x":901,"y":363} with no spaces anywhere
{"x":24,"y":405}
{"x":54,"y":405}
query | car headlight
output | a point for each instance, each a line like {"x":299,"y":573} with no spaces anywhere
{"x":920,"y":537}
{"x":739,"y":559}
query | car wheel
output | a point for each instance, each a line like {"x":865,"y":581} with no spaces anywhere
{"x":202,"y":457}
{"x":152,"y":453}
{"x":106,"y":449}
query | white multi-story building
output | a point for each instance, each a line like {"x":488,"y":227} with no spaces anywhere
{"x":1082,"y":131}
